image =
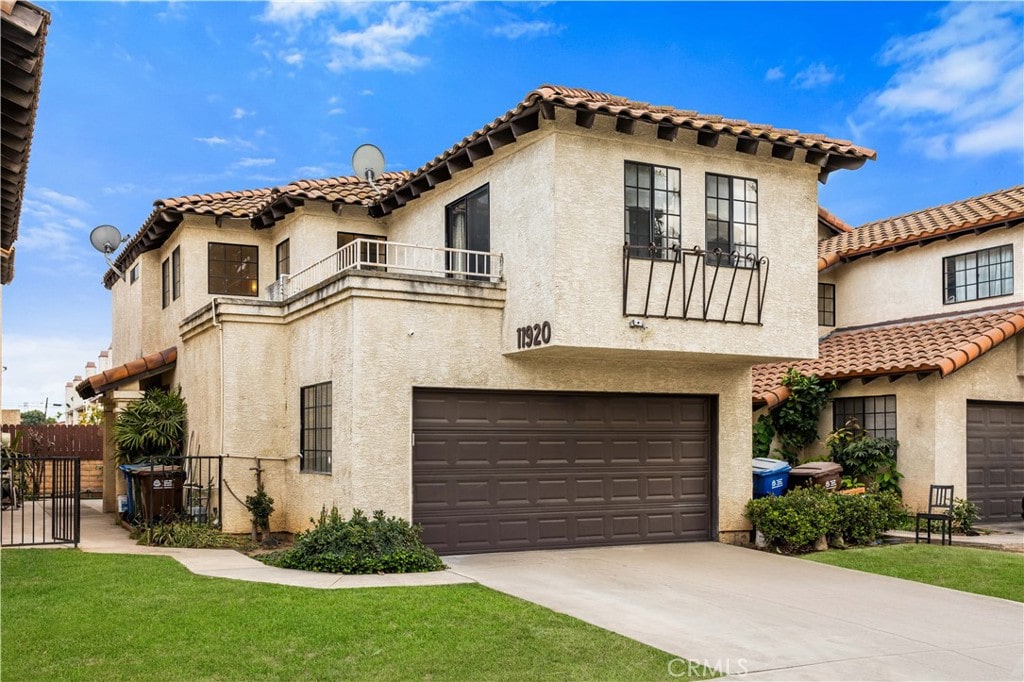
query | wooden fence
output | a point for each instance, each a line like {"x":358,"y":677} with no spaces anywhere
{"x":85,"y":442}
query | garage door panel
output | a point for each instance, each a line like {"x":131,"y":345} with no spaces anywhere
{"x":995,"y":459}
{"x":505,"y":471}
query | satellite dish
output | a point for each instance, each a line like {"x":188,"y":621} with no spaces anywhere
{"x":106,"y":239}
{"x":368,"y":163}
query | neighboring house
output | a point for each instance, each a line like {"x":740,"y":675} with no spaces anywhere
{"x":921,"y":318}
{"x":516,"y":345}
{"x":23,"y":29}
{"x":76,"y":408}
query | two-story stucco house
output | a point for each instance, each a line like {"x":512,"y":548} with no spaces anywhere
{"x":921,"y":318}
{"x":541,"y":338}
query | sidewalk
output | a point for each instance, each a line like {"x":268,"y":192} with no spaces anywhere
{"x":100,"y":534}
{"x":1007,"y":536}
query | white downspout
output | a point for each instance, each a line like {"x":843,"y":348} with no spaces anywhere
{"x":217,"y":325}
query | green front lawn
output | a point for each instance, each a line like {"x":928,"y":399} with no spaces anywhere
{"x":982,"y":571}
{"x":74,"y":616}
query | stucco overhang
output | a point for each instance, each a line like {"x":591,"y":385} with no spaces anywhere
{"x":941,"y":345}
{"x":23,"y":28}
{"x":136,"y":370}
{"x":1004,"y":208}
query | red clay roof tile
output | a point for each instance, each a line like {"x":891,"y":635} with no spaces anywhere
{"x":147,"y":365}
{"x":943,"y":345}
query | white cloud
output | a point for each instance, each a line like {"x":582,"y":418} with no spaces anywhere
{"x":212,"y":141}
{"x":514,"y":30}
{"x":239,"y":113}
{"x":775,"y":73}
{"x":250,"y":162}
{"x":335,"y":111}
{"x":38,"y":367}
{"x":290,"y":11}
{"x":815,"y":75}
{"x":293,"y":58}
{"x":366,"y":92}
{"x":311,"y":171}
{"x":121,"y":188}
{"x":958,"y":89}
{"x":54,"y":226}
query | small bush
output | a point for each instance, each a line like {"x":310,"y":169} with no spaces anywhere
{"x":358,"y":545}
{"x":965,"y":513}
{"x":189,"y":535}
{"x":796,"y":520}
{"x":793,"y":522}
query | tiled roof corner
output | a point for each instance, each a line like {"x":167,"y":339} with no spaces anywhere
{"x":834,"y":222}
{"x":976,"y":213}
{"x":942,"y":345}
{"x":147,"y":365}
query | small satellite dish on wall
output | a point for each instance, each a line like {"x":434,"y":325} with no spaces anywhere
{"x":368,"y":163}
{"x":106,"y":239}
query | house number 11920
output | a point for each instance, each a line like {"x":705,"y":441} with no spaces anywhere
{"x":533,"y":335}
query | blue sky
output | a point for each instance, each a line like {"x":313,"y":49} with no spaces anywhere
{"x":142,"y":101}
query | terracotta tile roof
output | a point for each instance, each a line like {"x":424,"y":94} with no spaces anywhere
{"x":982,"y":212}
{"x":942,"y":345}
{"x":140,"y":368}
{"x":23,"y":29}
{"x":832,"y":221}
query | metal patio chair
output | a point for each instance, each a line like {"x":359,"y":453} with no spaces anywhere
{"x":940,"y":509}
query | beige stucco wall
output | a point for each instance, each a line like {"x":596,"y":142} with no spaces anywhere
{"x":931,"y":417}
{"x":908,"y":283}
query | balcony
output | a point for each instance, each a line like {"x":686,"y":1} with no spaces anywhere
{"x":693,"y":284}
{"x":393,"y":258}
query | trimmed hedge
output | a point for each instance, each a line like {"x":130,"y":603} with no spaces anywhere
{"x":794,"y":522}
{"x":358,"y":545}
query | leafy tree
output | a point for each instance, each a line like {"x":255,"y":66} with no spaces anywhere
{"x":35,"y":418}
{"x":796,"y":420}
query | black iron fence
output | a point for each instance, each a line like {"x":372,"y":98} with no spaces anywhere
{"x":173,"y":489}
{"x":39,"y":500}
{"x":693,"y":284}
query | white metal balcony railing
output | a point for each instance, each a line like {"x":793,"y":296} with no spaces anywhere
{"x":392,"y":257}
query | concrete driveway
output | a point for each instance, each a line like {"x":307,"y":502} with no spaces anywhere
{"x":760,"y":616}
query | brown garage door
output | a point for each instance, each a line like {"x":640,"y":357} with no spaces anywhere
{"x":517,"y":470}
{"x":995,"y":459}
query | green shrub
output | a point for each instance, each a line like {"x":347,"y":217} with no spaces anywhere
{"x":763,"y":436}
{"x":796,"y":420}
{"x":358,"y":545}
{"x":152,"y":428}
{"x":191,"y":535}
{"x":965,"y":513}
{"x":796,"y":520}
{"x":866,"y":458}
{"x":861,"y":519}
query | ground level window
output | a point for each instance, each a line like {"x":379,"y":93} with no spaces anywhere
{"x":233,"y":269}
{"x":826,"y":305}
{"x":978,"y":274}
{"x":315,"y":428}
{"x":876,"y":415}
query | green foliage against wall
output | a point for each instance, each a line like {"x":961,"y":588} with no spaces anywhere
{"x":796,"y":419}
{"x":151,"y":428}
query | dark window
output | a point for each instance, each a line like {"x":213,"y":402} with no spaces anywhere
{"x":978,"y":274}
{"x":652,"y":210}
{"x":133,"y":277}
{"x":827,"y":305}
{"x":176,"y":273}
{"x":468,"y":227}
{"x":875,"y":415}
{"x":165,"y":283}
{"x":315,"y":428}
{"x":372,"y":250}
{"x":730,"y":219}
{"x":283,"y":259}
{"x":233,"y":269}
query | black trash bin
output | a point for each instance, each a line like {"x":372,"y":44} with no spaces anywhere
{"x":160,"y":492}
{"x":827,"y":475}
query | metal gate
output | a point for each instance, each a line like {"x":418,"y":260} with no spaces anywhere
{"x":39,"y":500}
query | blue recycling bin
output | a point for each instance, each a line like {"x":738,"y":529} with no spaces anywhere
{"x":771,"y":476}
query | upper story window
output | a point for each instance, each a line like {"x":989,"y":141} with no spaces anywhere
{"x":876,"y":415}
{"x":133,"y":276}
{"x":176,"y":273}
{"x":315,"y":428}
{"x":978,"y":274}
{"x":730,"y":218}
{"x":283,"y":253}
{"x":233,"y":269}
{"x":826,"y":305}
{"x":165,"y":283}
{"x":652,"y":206}
{"x":468,"y":227}
{"x":368,"y":252}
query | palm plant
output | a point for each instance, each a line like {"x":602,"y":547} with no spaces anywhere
{"x":151,"y":428}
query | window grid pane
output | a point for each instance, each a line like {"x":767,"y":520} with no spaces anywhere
{"x":176,"y":273}
{"x":876,"y":415}
{"x":283,"y":259}
{"x":165,"y":283}
{"x":233,"y":269}
{"x":315,"y":428}
{"x":978,"y":274}
{"x":826,"y":305}
{"x":652,"y":210}
{"x":731,"y":222}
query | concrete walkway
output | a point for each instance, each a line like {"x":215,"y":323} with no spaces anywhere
{"x":760,"y":616}
{"x":102,"y":535}
{"x":1007,"y":536}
